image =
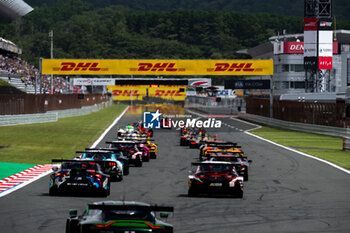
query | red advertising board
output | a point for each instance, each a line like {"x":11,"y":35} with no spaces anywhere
{"x":293,"y":47}
{"x":298,"y":48}
{"x":310,"y":24}
{"x":325,"y":63}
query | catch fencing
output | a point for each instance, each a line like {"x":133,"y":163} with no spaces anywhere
{"x":14,"y":104}
{"x":327,"y":114}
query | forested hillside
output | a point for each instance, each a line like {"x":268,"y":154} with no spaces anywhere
{"x":83,"y":31}
{"x":341,"y":8}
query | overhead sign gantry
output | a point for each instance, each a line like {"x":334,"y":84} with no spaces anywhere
{"x":155,"y":67}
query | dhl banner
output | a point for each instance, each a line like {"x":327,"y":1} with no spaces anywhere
{"x":138,"y":92}
{"x":156,"y":67}
{"x":165,"y":109}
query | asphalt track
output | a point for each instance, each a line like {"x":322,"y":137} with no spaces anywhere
{"x":286,"y":192}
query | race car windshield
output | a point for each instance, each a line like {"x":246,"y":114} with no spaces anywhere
{"x":216,"y":168}
{"x":225,"y":159}
{"x":128,"y":214}
{"x":71,"y":165}
{"x":123,"y":145}
{"x":225,"y":153}
{"x":101,"y":156}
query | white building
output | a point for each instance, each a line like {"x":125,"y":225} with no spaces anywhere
{"x":287,"y":52}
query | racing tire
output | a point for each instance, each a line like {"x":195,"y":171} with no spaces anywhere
{"x":245,"y":176}
{"x":153,"y":155}
{"x":192,"y":192}
{"x":138,"y":163}
{"x":126,"y":170}
{"x":53,"y":191}
{"x":239,"y":194}
{"x":71,"y":227}
{"x":145,"y":159}
{"x":182,"y":143}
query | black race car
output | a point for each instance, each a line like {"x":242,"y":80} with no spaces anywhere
{"x":215,"y":177}
{"x":119,"y":216}
{"x":77,"y":176}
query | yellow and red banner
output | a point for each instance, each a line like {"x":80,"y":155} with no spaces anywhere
{"x":138,"y":92}
{"x":156,"y":67}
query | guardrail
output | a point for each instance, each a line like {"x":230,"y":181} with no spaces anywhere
{"x":50,"y":116}
{"x":301,"y":127}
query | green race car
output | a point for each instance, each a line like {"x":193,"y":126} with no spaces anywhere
{"x":119,"y":216}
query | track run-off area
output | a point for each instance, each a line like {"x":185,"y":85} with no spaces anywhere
{"x":286,"y":191}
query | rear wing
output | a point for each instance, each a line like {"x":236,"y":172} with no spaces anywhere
{"x":131,"y":207}
{"x":80,"y":161}
{"x":122,"y":142}
{"x":222,"y":145}
{"x":226,"y":156}
{"x":216,"y":163}
{"x":97,"y":151}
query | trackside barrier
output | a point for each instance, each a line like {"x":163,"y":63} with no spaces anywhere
{"x":50,"y":116}
{"x":301,"y":127}
{"x":346,"y":143}
{"x":6,"y":120}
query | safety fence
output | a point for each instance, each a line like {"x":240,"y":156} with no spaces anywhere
{"x":14,"y":104}
{"x":50,"y":116}
{"x":327,"y":114}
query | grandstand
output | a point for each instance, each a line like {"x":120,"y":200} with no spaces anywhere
{"x":13,"y":9}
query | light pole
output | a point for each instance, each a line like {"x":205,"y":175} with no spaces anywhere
{"x":51,"y":56}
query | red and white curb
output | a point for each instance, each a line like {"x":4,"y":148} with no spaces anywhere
{"x":21,"y":179}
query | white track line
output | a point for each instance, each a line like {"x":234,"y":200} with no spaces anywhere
{"x":290,"y":149}
{"x":109,"y":128}
{"x":32,"y":179}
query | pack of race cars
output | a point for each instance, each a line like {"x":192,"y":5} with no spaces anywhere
{"x":92,"y":170}
{"x":221,"y":167}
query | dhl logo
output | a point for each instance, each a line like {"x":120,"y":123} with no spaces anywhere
{"x":169,"y":67}
{"x":80,"y":66}
{"x":158,"y":93}
{"x":125,"y":93}
{"x":168,"y":93}
{"x":234,"y":67}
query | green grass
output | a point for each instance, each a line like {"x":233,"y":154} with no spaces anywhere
{"x":328,"y":148}
{"x":39,"y":143}
{"x":4,"y":83}
{"x":8,"y":169}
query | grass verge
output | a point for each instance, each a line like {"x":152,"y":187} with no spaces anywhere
{"x":327,"y":148}
{"x":39,"y":143}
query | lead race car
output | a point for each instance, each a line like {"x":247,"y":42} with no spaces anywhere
{"x":77,"y":176}
{"x":119,"y":216}
{"x":215,"y":177}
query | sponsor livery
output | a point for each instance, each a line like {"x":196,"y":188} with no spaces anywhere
{"x":156,"y":67}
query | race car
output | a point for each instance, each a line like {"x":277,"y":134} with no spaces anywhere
{"x":153,"y":148}
{"x":208,"y":148}
{"x":241,"y":162}
{"x":129,"y":149}
{"x":119,"y":216}
{"x":109,"y":165}
{"x":215,"y":177}
{"x":78,"y":176}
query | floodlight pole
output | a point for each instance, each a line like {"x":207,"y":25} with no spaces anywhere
{"x":51,"y":56}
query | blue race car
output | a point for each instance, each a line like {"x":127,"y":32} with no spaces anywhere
{"x":78,"y":176}
{"x":106,"y":159}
